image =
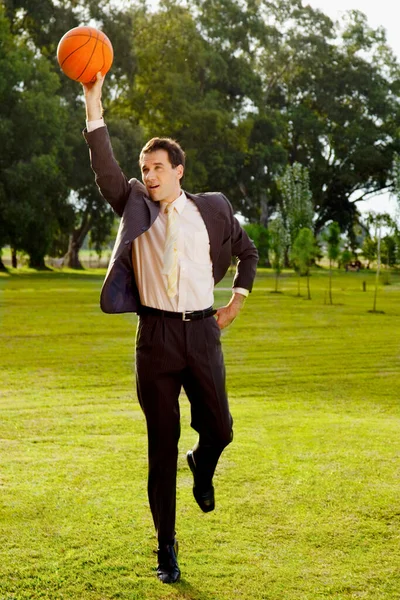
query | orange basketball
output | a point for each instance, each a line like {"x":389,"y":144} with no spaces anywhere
{"x":84,"y":51}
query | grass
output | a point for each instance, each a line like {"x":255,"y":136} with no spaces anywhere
{"x":307,"y":495}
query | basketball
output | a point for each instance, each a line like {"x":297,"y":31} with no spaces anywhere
{"x":84,"y":51}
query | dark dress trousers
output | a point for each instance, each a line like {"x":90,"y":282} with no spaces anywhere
{"x":171,"y":353}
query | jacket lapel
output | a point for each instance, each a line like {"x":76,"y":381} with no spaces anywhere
{"x":154,"y":209}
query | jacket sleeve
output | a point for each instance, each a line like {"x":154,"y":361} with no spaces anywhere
{"x":245,"y":251}
{"x":110,"y":179}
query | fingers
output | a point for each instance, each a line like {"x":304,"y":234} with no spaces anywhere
{"x":223,"y":317}
{"x":94,"y":86}
{"x":100,"y":77}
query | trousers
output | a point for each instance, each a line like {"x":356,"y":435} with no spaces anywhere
{"x":171,"y":354}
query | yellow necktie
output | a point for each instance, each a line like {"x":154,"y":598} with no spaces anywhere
{"x":171,"y":252}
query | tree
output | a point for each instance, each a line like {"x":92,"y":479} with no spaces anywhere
{"x":278,"y":247}
{"x":177,"y":92}
{"x":303,"y":252}
{"x":296,"y":203}
{"x":369,"y":249}
{"x":388,"y":250}
{"x":396,"y":177}
{"x":396,"y":191}
{"x":42,"y":24}
{"x":246,"y":87}
{"x":333,"y":241}
{"x":339,"y":86}
{"x":261,"y":238}
{"x":33,"y":189}
{"x":345,"y":257}
{"x":377,"y":221}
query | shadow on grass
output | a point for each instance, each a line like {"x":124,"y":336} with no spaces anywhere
{"x":189,"y":592}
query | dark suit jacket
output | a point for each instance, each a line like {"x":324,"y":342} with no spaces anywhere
{"x":131,"y":202}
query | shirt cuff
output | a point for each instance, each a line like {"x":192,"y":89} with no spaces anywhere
{"x":92,"y":125}
{"x":243,"y":291}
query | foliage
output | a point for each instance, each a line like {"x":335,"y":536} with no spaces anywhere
{"x":302,"y":254}
{"x":389,"y":250}
{"x":374,"y":222}
{"x":261,"y":237}
{"x":369,"y":249}
{"x":278,"y":246}
{"x":247,"y":88}
{"x":333,"y":241}
{"x":296,"y":200}
{"x":303,"y":250}
{"x":346,"y":257}
{"x":33,"y":190}
{"x":378,"y":221}
{"x":396,"y":177}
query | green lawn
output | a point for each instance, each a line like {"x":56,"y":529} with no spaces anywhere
{"x":307,"y":495}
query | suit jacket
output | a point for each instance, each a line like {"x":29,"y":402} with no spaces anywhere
{"x":138,"y":212}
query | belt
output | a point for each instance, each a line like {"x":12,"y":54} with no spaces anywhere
{"x":189,"y":315}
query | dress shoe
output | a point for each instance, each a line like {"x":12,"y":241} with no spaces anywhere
{"x":204,"y":496}
{"x":168,"y":570}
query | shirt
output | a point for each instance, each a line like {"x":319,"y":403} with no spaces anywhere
{"x":195,"y":279}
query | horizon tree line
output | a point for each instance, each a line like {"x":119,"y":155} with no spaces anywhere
{"x":248,"y":89}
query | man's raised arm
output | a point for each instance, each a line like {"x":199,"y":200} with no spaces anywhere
{"x":113,"y":184}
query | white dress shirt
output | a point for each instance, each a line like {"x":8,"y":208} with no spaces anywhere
{"x":195,"y":278}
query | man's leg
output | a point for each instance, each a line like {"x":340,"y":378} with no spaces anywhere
{"x":204,"y":383}
{"x":158,"y":387}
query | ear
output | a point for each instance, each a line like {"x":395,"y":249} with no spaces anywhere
{"x":179,"y":171}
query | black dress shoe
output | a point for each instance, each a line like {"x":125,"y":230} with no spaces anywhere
{"x":168,"y":570}
{"x":204,"y":496}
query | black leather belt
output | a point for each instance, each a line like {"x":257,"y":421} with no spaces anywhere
{"x":190,"y":315}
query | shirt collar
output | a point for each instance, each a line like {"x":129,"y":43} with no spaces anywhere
{"x":179,"y":204}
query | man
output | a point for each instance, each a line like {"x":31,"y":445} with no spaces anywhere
{"x":171,"y":248}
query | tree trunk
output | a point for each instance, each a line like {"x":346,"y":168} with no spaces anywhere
{"x":2,"y":266}
{"x":37,"y":262}
{"x":308,"y":287}
{"x":286,"y":259}
{"x":330,"y":282}
{"x":71,"y":259}
{"x":378,"y":270}
{"x":14,"y":260}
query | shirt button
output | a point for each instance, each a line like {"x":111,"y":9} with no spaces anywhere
{"x":144,"y":228}
{"x":126,"y":242}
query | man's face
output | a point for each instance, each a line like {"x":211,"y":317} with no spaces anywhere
{"x":161,"y":179}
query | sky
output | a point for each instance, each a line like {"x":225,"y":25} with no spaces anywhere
{"x":385,"y":13}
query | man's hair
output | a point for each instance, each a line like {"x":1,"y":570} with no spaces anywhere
{"x":175,"y":153}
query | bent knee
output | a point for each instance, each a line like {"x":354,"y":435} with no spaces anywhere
{"x":226,"y":437}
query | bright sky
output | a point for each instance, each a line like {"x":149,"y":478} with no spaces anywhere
{"x":385,"y":13}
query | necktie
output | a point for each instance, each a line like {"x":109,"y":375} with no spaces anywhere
{"x":171,"y":252}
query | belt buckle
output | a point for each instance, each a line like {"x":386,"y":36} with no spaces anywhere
{"x":188,"y":312}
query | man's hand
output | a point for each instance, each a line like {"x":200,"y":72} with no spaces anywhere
{"x":226,"y":314}
{"x":92,"y":91}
